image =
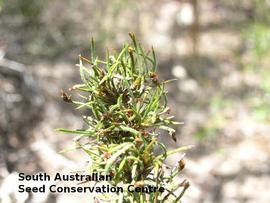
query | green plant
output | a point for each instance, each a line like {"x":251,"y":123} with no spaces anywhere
{"x":128,"y":106}
{"x":257,"y":35}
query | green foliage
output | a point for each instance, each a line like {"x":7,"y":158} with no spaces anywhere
{"x":216,"y":120}
{"x":128,"y":105}
{"x":261,"y":10}
{"x":261,"y":107}
{"x":258,"y":37}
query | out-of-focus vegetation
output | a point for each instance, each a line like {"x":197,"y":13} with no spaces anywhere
{"x":216,"y":119}
{"x":47,"y":36}
{"x":1,"y":4}
{"x":257,"y":38}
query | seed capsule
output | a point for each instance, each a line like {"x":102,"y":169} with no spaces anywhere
{"x":145,"y":133}
{"x":106,"y":115}
{"x":181,"y":164}
{"x":154,"y":78}
{"x":65,"y":97}
{"x":174,"y":136}
{"x":152,"y":75}
{"x":106,"y":155}
{"x":185,"y":184}
{"x":138,"y":141}
{"x":112,"y":173}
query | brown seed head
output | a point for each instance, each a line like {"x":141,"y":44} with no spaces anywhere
{"x":106,"y":115}
{"x":106,"y":155}
{"x":174,"y":136}
{"x":152,"y":75}
{"x":112,"y":173}
{"x":185,"y":184}
{"x":181,"y":164}
{"x":145,"y":133}
{"x":138,"y":140}
{"x":65,"y":97}
{"x":154,"y":78}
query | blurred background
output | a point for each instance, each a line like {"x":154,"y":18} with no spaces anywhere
{"x":218,"y":50}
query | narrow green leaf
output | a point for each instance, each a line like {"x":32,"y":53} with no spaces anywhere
{"x":110,"y":161}
{"x":129,"y":129}
{"x":180,"y":149}
{"x":83,"y":132}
